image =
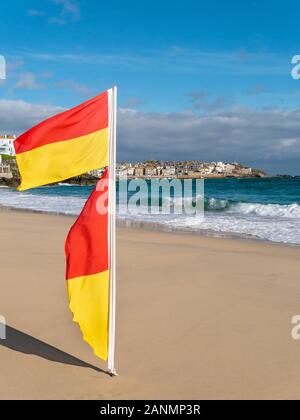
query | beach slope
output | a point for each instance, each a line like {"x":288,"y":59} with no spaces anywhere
{"x":197,"y":317}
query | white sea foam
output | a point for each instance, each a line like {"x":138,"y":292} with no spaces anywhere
{"x":217,"y":204}
{"x":271,"y":229}
{"x":268,"y":210}
{"x":66,"y":184}
{"x":44,"y":203}
{"x":273,"y":222}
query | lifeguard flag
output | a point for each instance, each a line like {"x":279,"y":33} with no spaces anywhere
{"x":65,"y":145}
{"x":88,"y":269}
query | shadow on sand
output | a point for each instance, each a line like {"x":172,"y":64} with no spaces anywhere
{"x":24,"y":343}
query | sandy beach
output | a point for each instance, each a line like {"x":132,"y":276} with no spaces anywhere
{"x":198,"y":317}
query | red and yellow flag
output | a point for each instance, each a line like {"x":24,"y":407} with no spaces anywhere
{"x":88,"y":269}
{"x":66,"y":145}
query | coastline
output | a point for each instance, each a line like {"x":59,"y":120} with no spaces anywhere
{"x":261,"y":210}
{"x":92,"y":181}
{"x":191,"y":311}
{"x":158,"y":227}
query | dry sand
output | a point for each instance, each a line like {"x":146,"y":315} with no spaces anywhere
{"x":197,"y":317}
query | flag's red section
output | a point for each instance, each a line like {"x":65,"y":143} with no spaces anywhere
{"x":87,"y":118}
{"x":87,"y":242}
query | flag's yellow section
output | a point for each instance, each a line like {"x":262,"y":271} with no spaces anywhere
{"x":58,"y":161}
{"x":89,"y":302}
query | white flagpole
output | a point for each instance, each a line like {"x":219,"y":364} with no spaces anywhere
{"x":112,"y":227}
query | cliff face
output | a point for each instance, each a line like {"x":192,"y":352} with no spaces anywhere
{"x":84,"y":179}
{"x":14,"y":181}
{"x":258,"y":173}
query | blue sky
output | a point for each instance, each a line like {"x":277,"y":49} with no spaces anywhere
{"x":170,"y":59}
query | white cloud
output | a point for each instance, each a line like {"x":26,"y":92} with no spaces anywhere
{"x":186,"y":62}
{"x":196,"y":95}
{"x":17,"y":116}
{"x":27,"y":81}
{"x":78,"y":88}
{"x":267,"y":139}
{"x":200,"y":100}
{"x":13,"y":65}
{"x":288,"y":142}
{"x":70,"y":11}
{"x":46,"y":74}
{"x":2,"y":68}
{"x":257,"y":90}
{"x":133,"y":103}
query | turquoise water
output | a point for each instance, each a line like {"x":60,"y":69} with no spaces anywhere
{"x":267,"y":209}
{"x":263,"y":191}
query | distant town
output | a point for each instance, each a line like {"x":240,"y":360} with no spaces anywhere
{"x":150,"y":168}
{"x":185,"y":169}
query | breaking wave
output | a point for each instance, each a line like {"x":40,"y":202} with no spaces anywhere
{"x":257,"y":209}
{"x":268,"y":210}
{"x":277,"y":222}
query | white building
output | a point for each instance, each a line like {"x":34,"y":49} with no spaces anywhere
{"x":207,"y":170}
{"x":120,"y":171}
{"x":246,"y":171}
{"x":7,"y":145}
{"x":168,"y":171}
{"x":150,"y":171}
{"x":229,"y":168}
{"x":130,"y":171}
{"x":220,"y":167}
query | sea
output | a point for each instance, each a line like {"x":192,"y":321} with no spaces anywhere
{"x":266,"y":209}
